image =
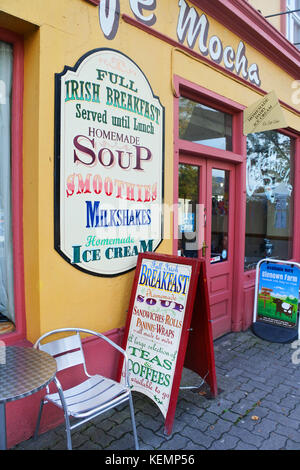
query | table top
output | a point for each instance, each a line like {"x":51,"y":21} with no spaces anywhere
{"x":24,"y":371}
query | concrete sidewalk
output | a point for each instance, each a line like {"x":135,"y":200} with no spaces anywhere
{"x":258,"y":408}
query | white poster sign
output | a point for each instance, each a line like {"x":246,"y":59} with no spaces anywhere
{"x":109,"y":144}
{"x":156,"y":328}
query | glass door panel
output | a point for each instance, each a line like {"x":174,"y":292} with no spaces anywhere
{"x":205,"y":220}
{"x":219,"y":215}
{"x":188,"y":201}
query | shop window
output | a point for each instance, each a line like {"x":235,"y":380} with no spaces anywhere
{"x":269,"y":209}
{"x":7,"y":314}
{"x":204,"y":125}
{"x":293,"y":22}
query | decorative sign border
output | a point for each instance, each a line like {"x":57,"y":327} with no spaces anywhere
{"x":146,"y":123}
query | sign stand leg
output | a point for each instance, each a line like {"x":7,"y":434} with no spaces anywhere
{"x":2,"y":427}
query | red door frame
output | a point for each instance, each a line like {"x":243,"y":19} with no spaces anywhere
{"x":238,"y":156}
{"x":249,"y":276}
{"x":225,"y":269}
{"x":17,"y":184}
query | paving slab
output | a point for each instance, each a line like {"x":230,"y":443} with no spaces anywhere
{"x":258,"y":408}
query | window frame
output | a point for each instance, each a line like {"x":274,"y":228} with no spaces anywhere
{"x":238,"y":156}
{"x":296,"y":195}
{"x":17,"y":184}
{"x":291,"y":19}
{"x":214,"y":107}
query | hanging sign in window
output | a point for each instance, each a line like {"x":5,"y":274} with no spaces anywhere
{"x":263,"y":115}
{"x":109,"y":141}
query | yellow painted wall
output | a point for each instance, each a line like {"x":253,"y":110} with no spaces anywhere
{"x":58,"y":33}
{"x":269,"y":7}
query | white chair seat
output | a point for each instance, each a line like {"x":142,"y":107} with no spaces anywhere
{"x":94,"y":395}
{"x":90,"y":396}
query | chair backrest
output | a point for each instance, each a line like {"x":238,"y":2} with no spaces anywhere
{"x":66,"y":351}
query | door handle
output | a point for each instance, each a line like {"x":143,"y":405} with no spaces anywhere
{"x":204,"y":246}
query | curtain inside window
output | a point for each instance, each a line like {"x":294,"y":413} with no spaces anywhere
{"x":6,"y":249}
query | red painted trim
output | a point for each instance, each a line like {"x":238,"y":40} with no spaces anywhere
{"x":175,"y":168}
{"x":283,"y":17}
{"x":238,"y":157}
{"x":245,"y":21}
{"x":17,"y":184}
{"x":198,"y":93}
{"x":193,"y":91}
{"x":93,"y":2}
{"x":241,"y":279}
{"x":210,"y":152}
{"x":295,"y":72}
{"x":189,"y":51}
{"x":240,"y":224}
{"x":296,"y":220}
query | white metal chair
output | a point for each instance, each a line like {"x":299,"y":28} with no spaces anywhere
{"x":95,"y":395}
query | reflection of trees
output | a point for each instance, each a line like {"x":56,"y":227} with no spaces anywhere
{"x":273,"y":146}
{"x":262,"y":141}
{"x":269,"y":202}
{"x":188,"y":182}
{"x":186,"y":108}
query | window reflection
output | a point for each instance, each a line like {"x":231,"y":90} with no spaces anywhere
{"x":7,"y":312}
{"x":187,"y":210}
{"x":219,"y":217}
{"x":269,"y":210}
{"x":204,"y":125}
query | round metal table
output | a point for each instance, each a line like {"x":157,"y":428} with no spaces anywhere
{"x":23,"y":371}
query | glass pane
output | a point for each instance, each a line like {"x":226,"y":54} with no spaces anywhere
{"x":204,"y":125}
{"x":219,"y":216}
{"x":269,"y":210}
{"x":297,"y":34}
{"x":6,"y":238}
{"x":187,"y":210}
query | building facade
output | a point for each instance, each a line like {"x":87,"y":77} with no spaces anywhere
{"x":122,"y":132}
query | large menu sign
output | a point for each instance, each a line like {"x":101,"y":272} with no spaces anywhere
{"x":162,"y":309}
{"x":109,"y":144}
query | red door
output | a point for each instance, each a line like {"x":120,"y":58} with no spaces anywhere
{"x":206,"y":228}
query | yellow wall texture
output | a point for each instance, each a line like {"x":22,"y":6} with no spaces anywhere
{"x":58,"y":33}
{"x":270,"y":7}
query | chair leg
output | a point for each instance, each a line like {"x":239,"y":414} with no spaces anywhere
{"x":66,"y":415}
{"x":133,"y":423}
{"x":68,"y":431}
{"x":36,"y":432}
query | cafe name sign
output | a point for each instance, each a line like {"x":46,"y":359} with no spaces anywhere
{"x":192,"y":26}
{"x":109,"y":142}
